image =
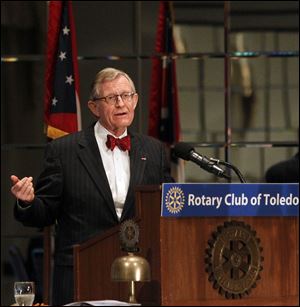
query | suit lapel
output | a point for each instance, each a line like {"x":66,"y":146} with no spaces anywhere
{"x":89,"y":155}
{"x":138,"y":159}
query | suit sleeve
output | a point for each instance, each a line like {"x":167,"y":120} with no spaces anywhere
{"x":44,"y":209}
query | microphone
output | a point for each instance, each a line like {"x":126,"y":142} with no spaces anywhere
{"x":186,"y":152}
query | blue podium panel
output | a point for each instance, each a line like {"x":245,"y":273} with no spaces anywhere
{"x":229,"y":199}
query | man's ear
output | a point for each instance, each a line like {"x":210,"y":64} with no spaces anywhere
{"x":135,"y":100}
{"x":93,"y":107}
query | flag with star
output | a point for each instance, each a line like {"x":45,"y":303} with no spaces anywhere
{"x":62,"y":107}
{"x":164,"y":122}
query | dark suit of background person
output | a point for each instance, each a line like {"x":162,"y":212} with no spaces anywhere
{"x":285,"y":171}
{"x":74,"y":193}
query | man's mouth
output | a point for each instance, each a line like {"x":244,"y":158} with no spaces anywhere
{"x":120,"y":114}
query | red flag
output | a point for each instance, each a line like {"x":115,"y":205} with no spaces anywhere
{"x":62,"y":106}
{"x":163,"y":106}
{"x":164,"y":121}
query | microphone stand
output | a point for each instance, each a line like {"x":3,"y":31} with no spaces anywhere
{"x":231,"y":166}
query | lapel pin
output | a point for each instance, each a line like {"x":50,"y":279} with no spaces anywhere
{"x":143,"y":158}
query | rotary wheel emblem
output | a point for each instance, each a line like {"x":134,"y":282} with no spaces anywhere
{"x":233,"y":259}
{"x":129,"y":235}
{"x":174,"y":200}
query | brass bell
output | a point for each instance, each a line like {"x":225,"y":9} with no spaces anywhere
{"x":130,"y":268}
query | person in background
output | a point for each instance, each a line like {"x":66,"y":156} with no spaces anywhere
{"x":87,"y":183}
{"x":285,"y":171}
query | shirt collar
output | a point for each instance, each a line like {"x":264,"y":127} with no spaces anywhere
{"x":102,"y":132}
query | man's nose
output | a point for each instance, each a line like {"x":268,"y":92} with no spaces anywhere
{"x":119,"y":100}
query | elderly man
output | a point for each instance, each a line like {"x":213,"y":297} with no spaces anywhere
{"x":87,"y":184}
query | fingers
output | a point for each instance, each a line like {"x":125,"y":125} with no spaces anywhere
{"x":14,"y":179}
{"x":23,"y":189}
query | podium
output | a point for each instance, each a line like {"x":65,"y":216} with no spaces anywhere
{"x":176,"y":250}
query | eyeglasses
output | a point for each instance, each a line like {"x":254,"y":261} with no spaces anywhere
{"x":113,"y":99}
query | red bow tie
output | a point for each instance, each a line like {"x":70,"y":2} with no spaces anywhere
{"x":123,"y":144}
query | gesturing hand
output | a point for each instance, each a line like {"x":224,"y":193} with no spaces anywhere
{"x":22,"y":189}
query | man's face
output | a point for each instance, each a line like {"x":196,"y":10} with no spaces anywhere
{"x":117,"y":116}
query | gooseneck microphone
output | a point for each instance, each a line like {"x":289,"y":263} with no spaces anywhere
{"x":186,"y":152}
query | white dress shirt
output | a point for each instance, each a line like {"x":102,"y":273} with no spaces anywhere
{"x":117,"y":167}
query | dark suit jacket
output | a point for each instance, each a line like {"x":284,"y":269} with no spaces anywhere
{"x":284,"y":172}
{"x":73,"y":191}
